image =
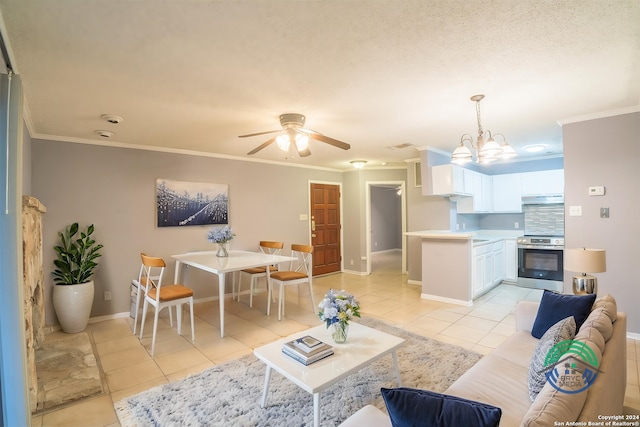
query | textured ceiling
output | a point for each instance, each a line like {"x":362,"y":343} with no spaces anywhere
{"x":194,"y":75}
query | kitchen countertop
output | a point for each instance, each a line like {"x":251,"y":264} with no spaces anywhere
{"x":478,"y":237}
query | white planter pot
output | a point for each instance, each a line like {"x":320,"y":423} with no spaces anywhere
{"x":73,"y":305}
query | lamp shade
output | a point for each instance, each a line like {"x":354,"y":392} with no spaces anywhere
{"x":585,"y":260}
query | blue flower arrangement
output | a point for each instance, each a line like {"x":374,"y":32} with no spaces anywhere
{"x":220,"y":234}
{"x":338,"y":306}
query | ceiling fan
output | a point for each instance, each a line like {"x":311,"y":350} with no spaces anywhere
{"x":293,"y":134}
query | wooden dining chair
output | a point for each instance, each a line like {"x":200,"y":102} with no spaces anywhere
{"x":300,"y":271}
{"x":141,"y":283}
{"x":163,"y":296}
{"x":266,"y":247}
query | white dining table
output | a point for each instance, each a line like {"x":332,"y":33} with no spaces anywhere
{"x":236,"y":261}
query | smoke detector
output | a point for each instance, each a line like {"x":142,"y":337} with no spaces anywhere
{"x":113,"y":119}
{"x":105,"y":133}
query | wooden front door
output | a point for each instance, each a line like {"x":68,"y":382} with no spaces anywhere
{"x":325,"y":228}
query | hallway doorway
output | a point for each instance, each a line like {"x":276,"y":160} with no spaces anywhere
{"x":385,"y":222}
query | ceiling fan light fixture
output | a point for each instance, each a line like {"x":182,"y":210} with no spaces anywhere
{"x":302,"y":141}
{"x":283,"y":142}
{"x":358,"y":164}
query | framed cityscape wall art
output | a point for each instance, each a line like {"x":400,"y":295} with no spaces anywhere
{"x":181,"y":203}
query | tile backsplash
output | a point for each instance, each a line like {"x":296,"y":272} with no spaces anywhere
{"x":544,"y":220}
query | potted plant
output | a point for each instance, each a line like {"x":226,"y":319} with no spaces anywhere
{"x":73,"y":289}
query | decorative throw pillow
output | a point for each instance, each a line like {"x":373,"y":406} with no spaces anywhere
{"x":555,"y":307}
{"x":410,"y":407}
{"x":561,"y":331}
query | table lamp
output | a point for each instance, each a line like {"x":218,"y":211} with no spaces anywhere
{"x":584,"y":260}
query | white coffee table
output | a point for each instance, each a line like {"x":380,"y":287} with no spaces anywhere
{"x":364,"y":345}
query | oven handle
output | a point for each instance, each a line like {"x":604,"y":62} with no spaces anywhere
{"x":552,"y":248}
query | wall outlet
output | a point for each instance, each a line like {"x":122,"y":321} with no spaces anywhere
{"x":464,"y":225}
{"x":575,"y":210}
{"x":107,"y":295}
{"x":516,"y":224}
{"x":351,"y":262}
{"x":457,"y":226}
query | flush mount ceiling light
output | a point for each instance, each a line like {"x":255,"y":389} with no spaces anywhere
{"x":358,"y":164}
{"x":535,"y":148}
{"x":484,"y":151}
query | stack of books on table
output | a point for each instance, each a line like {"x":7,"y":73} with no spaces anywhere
{"x":307,"y":349}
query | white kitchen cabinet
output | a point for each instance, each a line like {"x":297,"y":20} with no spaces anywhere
{"x":510,"y":261}
{"x":487,"y":267}
{"x":480,"y":200}
{"x":543,"y":182}
{"x":488,"y":270}
{"x":478,"y":267}
{"x":447,"y":180}
{"x":498,"y":262}
{"x":507,"y":192}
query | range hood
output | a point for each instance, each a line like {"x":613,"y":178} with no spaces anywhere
{"x":547,"y":199}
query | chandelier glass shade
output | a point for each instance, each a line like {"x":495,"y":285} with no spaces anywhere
{"x":484,"y":151}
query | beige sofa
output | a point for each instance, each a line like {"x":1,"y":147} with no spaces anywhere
{"x":501,"y":377}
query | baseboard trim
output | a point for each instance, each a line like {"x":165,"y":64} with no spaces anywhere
{"x":447,"y":300}
{"x":357,"y":273}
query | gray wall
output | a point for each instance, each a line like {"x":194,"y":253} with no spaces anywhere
{"x":114,"y":188}
{"x":424,"y":213}
{"x":386,"y":219}
{"x":606,"y":152}
{"x":355,"y":190}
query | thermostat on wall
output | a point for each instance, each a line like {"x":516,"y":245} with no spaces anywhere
{"x":596,"y":191}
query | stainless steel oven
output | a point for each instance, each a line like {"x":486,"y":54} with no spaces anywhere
{"x":541,"y":262}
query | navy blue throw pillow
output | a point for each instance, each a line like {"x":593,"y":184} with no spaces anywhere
{"x":555,"y":307}
{"x":410,"y":407}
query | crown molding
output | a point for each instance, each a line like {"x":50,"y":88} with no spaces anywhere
{"x":600,"y":115}
{"x":114,"y":144}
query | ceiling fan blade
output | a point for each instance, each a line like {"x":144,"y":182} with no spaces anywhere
{"x":330,"y":141}
{"x":261,"y":146}
{"x":259,"y":133}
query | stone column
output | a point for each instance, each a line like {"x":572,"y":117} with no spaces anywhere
{"x":33,"y":276}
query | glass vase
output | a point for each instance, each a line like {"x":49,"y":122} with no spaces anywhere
{"x":339,"y":332}
{"x":222,"y":250}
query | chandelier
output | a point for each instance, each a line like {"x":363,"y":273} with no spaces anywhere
{"x":484,"y":151}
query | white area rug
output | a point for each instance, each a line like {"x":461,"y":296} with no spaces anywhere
{"x":229,"y":394}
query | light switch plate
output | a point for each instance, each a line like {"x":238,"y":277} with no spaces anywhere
{"x":575,"y":210}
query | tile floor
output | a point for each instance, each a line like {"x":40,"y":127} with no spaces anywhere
{"x":128,"y":368}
